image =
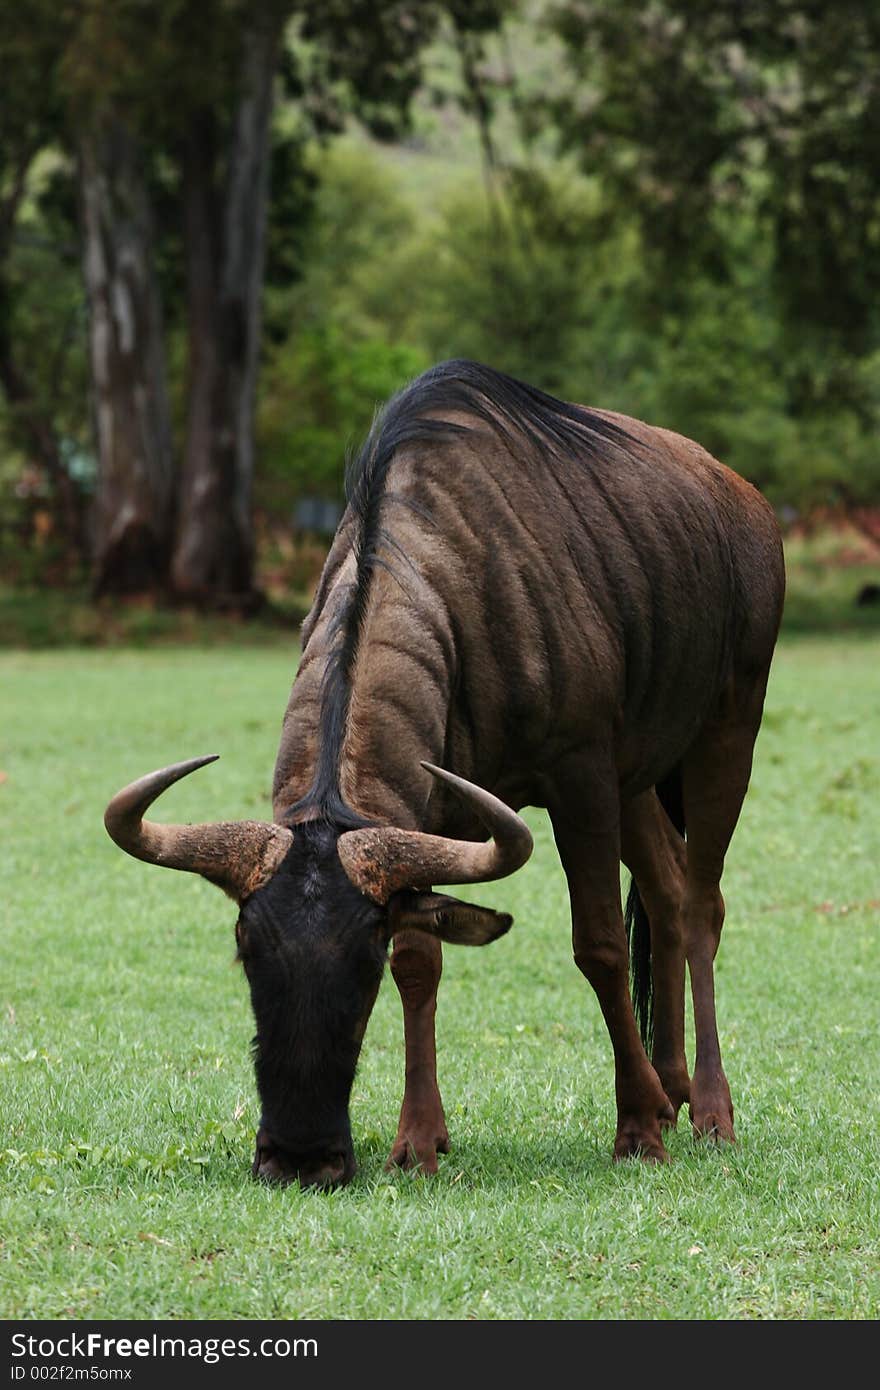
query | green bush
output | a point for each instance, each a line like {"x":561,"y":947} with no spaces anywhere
{"x":317,"y":404}
{"x":337,"y":352}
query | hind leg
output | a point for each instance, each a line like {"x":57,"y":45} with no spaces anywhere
{"x":654,"y":853}
{"x":716,"y":773}
{"x":586,"y":824}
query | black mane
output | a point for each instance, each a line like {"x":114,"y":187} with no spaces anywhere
{"x":516,"y":412}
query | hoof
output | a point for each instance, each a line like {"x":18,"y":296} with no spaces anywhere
{"x":715,"y":1127}
{"x":711,"y":1110}
{"x":647,"y":1146}
{"x":414,"y":1154}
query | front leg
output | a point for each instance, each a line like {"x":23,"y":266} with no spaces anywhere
{"x":587,"y":830}
{"x":416,"y":964}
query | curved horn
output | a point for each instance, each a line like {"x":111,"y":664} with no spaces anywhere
{"x":239,"y":856}
{"x":382,"y":860}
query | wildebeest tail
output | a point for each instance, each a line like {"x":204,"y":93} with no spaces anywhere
{"x":636,"y":918}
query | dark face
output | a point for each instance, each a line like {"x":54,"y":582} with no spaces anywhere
{"x":313,"y":949}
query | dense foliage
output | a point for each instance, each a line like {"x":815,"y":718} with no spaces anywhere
{"x":671,"y":210}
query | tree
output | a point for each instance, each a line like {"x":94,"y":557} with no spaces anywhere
{"x":110,"y":106}
{"x":32,"y":41}
{"x":698,"y":114}
{"x":133,"y":510}
{"x":343,"y":56}
{"x":225,"y":204}
{"x":732,"y":130}
{"x":166,"y":113}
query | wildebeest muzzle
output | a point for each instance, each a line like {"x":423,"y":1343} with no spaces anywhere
{"x":326,"y":1165}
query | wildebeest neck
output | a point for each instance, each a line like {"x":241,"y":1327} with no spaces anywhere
{"x":338,"y":762}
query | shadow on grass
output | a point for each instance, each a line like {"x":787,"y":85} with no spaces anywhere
{"x":528,"y":1166}
{"x":507,"y":1163}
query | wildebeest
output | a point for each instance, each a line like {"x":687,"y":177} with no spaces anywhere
{"x":527,"y":603}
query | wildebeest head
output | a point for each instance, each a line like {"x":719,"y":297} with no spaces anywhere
{"x":316,"y":912}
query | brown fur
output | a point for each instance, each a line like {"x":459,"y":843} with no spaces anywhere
{"x":564,"y":633}
{"x":566,"y":608}
{"x":513,"y":642}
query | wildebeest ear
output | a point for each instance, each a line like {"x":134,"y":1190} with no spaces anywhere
{"x":458,"y":923}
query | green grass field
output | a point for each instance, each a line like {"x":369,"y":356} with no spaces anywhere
{"x":128,"y":1105}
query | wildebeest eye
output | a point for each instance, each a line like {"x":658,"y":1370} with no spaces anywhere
{"x":443,"y":918}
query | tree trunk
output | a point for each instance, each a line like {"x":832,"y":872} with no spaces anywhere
{"x":132,"y":522}
{"x":213,"y":554}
